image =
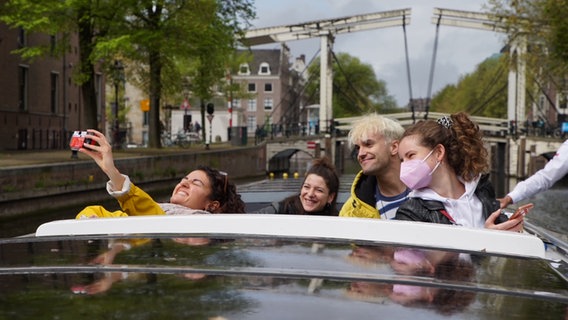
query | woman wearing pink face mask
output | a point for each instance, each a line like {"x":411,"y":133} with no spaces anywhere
{"x":445,"y":163}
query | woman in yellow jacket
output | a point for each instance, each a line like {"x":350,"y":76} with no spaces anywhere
{"x":204,"y":190}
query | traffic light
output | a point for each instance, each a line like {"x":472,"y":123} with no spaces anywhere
{"x":210,"y":108}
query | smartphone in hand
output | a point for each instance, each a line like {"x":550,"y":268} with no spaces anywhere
{"x":522,"y":211}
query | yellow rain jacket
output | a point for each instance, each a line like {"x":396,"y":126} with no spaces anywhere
{"x":135,"y":202}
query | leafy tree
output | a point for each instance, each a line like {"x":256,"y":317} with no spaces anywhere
{"x":544,"y":24}
{"x":148,"y":35}
{"x":156,"y":33}
{"x":481,"y":93}
{"x":356,"y":89}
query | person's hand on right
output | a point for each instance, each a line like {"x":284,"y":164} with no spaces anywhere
{"x":505,"y":202}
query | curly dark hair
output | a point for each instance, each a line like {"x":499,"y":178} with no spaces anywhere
{"x":461,"y":138}
{"x":224,"y":191}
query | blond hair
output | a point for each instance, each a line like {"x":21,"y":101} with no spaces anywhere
{"x":376,"y":124}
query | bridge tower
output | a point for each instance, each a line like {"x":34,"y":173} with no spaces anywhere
{"x":516,"y":97}
{"x":326,"y":31}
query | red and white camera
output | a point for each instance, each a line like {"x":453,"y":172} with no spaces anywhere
{"x":78,"y":139}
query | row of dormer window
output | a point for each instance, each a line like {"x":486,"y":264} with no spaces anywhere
{"x":264,"y":69}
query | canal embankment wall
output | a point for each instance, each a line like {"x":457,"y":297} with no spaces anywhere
{"x":26,"y":189}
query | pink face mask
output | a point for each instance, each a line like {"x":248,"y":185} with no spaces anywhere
{"x":416,"y":174}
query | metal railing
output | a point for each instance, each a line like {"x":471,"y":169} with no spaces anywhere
{"x":490,"y":126}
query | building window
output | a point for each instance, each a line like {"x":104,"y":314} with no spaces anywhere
{"x":54,"y":92}
{"x":268,"y":104}
{"x":22,"y":38}
{"x":252,"y":87}
{"x":251,"y":124}
{"x":264,"y":68}
{"x":244,"y":69}
{"x":23,"y":88}
{"x":562,"y":101}
{"x":145,"y":118}
{"x":52,"y":45}
{"x":236,"y":103}
{"x":268,"y":87}
{"x":252,"y":105}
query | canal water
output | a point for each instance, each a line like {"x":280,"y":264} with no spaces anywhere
{"x":550,"y":211}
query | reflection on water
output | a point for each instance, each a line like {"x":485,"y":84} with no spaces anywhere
{"x":550,"y":210}
{"x":16,"y":226}
{"x":268,"y":279}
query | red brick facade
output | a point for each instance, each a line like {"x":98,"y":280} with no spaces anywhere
{"x":40,"y":104}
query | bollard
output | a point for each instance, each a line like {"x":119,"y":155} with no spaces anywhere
{"x":91,"y":178}
{"x":285,"y":175}
{"x":271,"y":175}
{"x":296,"y":175}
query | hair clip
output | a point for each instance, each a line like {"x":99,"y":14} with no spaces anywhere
{"x":445,"y":121}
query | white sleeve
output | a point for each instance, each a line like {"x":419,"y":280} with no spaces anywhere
{"x":543,"y":179}
{"x":125,"y":187}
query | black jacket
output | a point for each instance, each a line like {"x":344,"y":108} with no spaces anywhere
{"x":292,"y":205}
{"x":417,"y":209}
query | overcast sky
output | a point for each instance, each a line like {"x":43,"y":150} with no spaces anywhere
{"x":460,"y":50}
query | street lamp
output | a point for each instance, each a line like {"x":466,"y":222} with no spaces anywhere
{"x":185,"y":105}
{"x":118,"y":77}
{"x":210,"y":115}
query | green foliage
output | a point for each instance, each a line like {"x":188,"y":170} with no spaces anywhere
{"x":356,"y":89}
{"x":544,"y":24}
{"x":199,"y":35}
{"x":150,"y":37}
{"x":481,"y":93}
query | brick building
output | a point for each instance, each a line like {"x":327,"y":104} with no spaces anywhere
{"x":39,"y":102}
{"x":274,"y":85}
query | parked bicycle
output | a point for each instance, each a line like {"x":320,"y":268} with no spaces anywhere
{"x":184,"y":139}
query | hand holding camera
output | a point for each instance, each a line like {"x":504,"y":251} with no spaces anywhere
{"x":95,"y":145}
{"x":78,"y":139}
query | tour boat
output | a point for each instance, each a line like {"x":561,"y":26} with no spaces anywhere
{"x":256,"y":266}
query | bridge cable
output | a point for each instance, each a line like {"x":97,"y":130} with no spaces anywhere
{"x":358,"y":96}
{"x":337,"y":89}
{"x":432,"y":66}
{"x":485,"y":93}
{"x":291,"y":89}
{"x":546,"y":95}
{"x":539,"y":106}
{"x":541,"y":114}
{"x":482,"y":107}
{"x":411,"y":100}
